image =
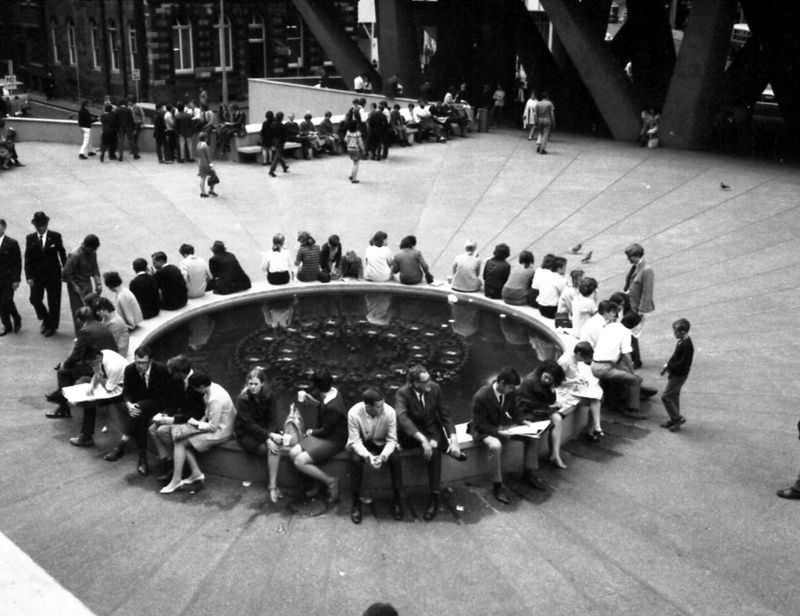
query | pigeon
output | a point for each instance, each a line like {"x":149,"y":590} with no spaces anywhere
{"x":576,"y":248}
{"x":724,"y":186}
{"x":587,"y":258}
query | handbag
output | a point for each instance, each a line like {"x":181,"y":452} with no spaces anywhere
{"x":213,"y":179}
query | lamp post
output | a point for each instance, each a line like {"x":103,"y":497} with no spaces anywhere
{"x":223,"y":51}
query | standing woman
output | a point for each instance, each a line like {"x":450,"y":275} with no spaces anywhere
{"x":545,"y":113}
{"x":256,"y":425}
{"x":204,"y":167}
{"x":277,"y":263}
{"x":308,"y":258}
{"x":214,"y":428}
{"x":354,"y":143}
{"x":322,"y":443}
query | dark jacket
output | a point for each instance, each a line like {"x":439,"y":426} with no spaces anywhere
{"x":44,"y":263}
{"x":92,"y":335}
{"x":159,"y":126}
{"x":227,"y":275}
{"x":533,"y":397}
{"x":256,"y":416}
{"x":124,"y":119}
{"x":681,"y":361}
{"x":332,"y":421}
{"x":495,"y":274}
{"x":325,"y":257}
{"x":145,"y":288}
{"x":85,"y":118}
{"x":433,"y":420}
{"x":183,"y":124}
{"x":172,"y":287}
{"x":109,"y":122}
{"x":10,"y":261}
{"x":161,"y":389}
{"x":488,"y":417}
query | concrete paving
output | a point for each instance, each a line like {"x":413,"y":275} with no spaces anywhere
{"x":649,"y":522}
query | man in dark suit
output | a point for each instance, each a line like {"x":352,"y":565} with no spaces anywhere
{"x":171,"y":284}
{"x":148,"y":390}
{"x":91,"y":335}
{"x":10,"y":272}
{"x":145,"y":288}
{"x":494,"y":410}
{"x":226,"y":273}
{"x":44,"y":258}
{"x":425,"y":422}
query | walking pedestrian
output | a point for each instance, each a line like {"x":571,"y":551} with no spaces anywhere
{"x":44,"y":258}
{"x":355,"y":148}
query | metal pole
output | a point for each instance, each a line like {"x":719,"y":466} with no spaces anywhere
{"x":222,"y":51}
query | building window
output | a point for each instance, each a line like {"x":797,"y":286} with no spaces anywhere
{"x":133,"y":49}
{"x":256,"y":47}
{"x":294,"y":41}
{"x":72,"y":44}
{"x":94,"y":36}
{"x":113,"y":46}
{"x":182,"y":50}
{"x":226,"y":33}
{"x":54,"y":41}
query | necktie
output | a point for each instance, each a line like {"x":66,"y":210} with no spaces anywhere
{"x":502,"y":401}
{"x":629,"y":277}
{"x":421,"y":400}
{"x":41,"y":239}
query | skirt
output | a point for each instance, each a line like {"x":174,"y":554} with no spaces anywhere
{"x":319,"y":449}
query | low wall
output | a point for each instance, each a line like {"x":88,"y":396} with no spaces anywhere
{"x":266,"y":94}
{"x":68,"y":131}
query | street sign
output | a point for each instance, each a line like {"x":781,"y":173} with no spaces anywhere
{"x":136,"y":74}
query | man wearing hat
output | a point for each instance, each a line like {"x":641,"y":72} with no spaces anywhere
{"x":10,"y":270}
{"x":44,"y":258}
{"x":82,"y":275}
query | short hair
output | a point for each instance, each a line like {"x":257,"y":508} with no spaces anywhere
{"x":139,"y":265}
{"x":557,"y":263}
{"x":553,"y":369}
{"x":278,"y":240}
{"x":91,"y":241}
{"x":634,"y":250}
{"x":179,"y":364}
{"x":199,"y":379}
{"x":143,"y":350}
{"x":307,"y":117}
{"x":159,"y":256}
{"x":606,"y":306}
{"x":526,"y":257}
{"x":415,"y":373}
{"x":328,"y":114}
{"x":547,"y":262}
{"x":409,"y":241}
{"x":584,"y":349}
{"x":84,"y":314}
{"x":501,"y":251}
{"x":576,"y":275}
{"x":381,"y":609}
{"x":112,"y":280}
{"x":323,"y":380}
{"x":622,"y":300}
{"x":379,"y":238}
{"x":471,"y":245}
{"x":682,"y":325}
{"x":3,"y":222}
{"x":371,"y":395}
{"x":186,"y":249}
{"x":218,"y":247}
{"x":103,"y":303}
{"x":334,"y":240}
{"x":587,"y":286}
{"x":508,"y":376}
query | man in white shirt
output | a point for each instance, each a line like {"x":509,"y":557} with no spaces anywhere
{"x":590,"y":331}
{"x":611,"y":362}
{"x":195,"y":271}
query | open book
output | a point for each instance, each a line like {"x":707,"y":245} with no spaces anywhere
{"x":83,"y":392}
{"x":532,"y":430}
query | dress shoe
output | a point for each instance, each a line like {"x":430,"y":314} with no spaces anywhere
{"x":82,"y":441}
{"x":42,"y":328}
{"x":62,"y":412}
{"x":355,"y":513}
{"x":5,"y":331}
{"x":397,"y":509}
{"x":500,"y":494}
{"x":667,"y":424}
{"x":789,"y":493}
{"x":460,"y":456}
{"x":115,"y":454}
{"x":433,"y":508}
{"x":533,"y":481}
{"x":83,"y":157}
{"x":48,"y":332}
{"x":54,"y":396}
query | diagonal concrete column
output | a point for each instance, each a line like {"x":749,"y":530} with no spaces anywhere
{"x":597,"y":67}
{"x":398,"y":46}
{"x":324,"y":21}
{"x":694,"y":92}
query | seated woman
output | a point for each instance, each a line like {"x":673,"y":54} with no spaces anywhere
{"x":378,"y":259}
{"x":308,"y":258}
{"x":537,"y":401}
{"x":517,"y":289}
{"x":322,"y":443}
{"x":409,"y":263}
{"x":277,"y":263}
{"x":581,"y":387}
{"x":496,"y":271}
{"x":227,"y":275}
{"x":550,"y":288}
{"x":215,"y":427}
{"x":331,"y":257}
{"x":257,"y":427}
{"x":308,"y":137}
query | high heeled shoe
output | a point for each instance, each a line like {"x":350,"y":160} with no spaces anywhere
{"x":169,"y":488}
{"x":275,"y":495}
{"x":558,"y":464}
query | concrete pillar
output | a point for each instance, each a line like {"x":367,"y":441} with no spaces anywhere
{"x":693,"y":97}
{"x":398,"y":42}
{"x":597,"y":67}
{"x":323,"y":20}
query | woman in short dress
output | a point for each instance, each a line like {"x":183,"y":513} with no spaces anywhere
{"x":322,"y":443}
{"x":581,"y":387}
{"x":214,"y":428}
{"x":204,"y":167}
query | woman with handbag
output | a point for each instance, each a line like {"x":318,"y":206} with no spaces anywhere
{"x":215,"y":427}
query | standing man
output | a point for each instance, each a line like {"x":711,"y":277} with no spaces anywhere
{"x":10,"y":272}
{"x":424,"y":422}
{"x":85,"y":119}
{"x":44,"y":258}
{"x":195,"y":271}
{"x":171,"y":285}
{"x":639,"y":287}
{"x":138,"y":122}
{"x":108,"y":137}
{"x":170,"y":135}
{"x":82,"y":275}
{"x":160,"y":134}
{"x":125,"y":128}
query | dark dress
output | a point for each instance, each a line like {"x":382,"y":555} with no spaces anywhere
{"x":256,"y":417}
{"x":495,"y":274}
{"x":534,"y":398}
{"x":227,"y":275}
{"x":327,"y":440}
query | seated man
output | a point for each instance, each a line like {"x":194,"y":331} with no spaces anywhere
{"x":537,"y":401}
{"x":145,"y":289}
{"x":148,"y":389}
{"x":171,"y":285}
{"x":108,"y":373}
{"x":91,"y":334}
{"x":195,"y":272}
{"x":612,"y":361}
{"x":327,"y":135}
{"x":372,"y":439}
{"x":308,"y":137}
{"x":428,"y":126}
{"x":494,"y":410}
{"x":425,"y":422}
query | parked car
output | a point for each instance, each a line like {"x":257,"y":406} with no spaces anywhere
{"x":16,"y":97}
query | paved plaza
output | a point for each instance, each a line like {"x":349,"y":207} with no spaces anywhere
{"x":648,"y":522}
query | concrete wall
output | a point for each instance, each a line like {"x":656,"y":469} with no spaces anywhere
{"x":267,"y":94}
{"x":67,"y":131}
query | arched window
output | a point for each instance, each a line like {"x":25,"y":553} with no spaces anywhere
{"x":54,"y":40}
{"x":133,"y":48}
{"x":113,"y":46}
{"x":228,"y":39}
{"x":256,"y":47}
{"x":72,"y":43}
{"x":97,"y":52}
{"x":182,"y":48}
